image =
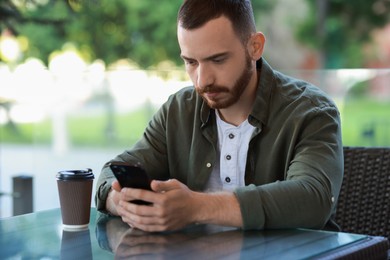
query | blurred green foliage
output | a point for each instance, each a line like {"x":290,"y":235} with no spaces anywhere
{"x":145,"y":30}
{"x":365,"y":122}
{"x":340,"y":29}
{"x":359,"y":90}
{"x":141,"y":30}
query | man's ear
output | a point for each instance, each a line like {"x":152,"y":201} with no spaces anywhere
{"x":256,"y":45}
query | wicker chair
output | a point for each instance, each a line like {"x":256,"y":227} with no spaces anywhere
{"x":364,"y":202}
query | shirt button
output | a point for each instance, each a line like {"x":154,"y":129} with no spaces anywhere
{"x":231,"y":136}
{"x":228,"y":157}
{"x":227,"y":179}
{"x":208,"y":165}
{"x":332,"y":199}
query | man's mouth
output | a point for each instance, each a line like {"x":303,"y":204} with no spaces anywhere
{"x":212,"y":90}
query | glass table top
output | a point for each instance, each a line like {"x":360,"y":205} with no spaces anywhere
{"x":40,"y":235}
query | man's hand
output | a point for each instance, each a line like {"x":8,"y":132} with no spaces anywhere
{"x":175,"y":206}
{"x":113,"y":198}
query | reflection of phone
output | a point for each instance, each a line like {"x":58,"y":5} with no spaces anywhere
{"x":132,"y":176}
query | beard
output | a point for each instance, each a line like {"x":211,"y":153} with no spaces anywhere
{"x":231,"y":95}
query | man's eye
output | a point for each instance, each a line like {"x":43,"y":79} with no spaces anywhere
{"x":190,"y":62}
{"x":218,"y":60}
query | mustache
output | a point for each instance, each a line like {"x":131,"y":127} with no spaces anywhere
{"x":212,"y":89}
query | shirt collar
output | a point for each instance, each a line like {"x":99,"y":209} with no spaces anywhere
{"x":260,"y":111}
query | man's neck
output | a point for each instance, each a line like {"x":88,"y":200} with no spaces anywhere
{"x":234,"y":116}
{"x":239,"y":112}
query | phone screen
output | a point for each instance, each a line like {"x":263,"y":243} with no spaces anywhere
{"x":132,"y":176}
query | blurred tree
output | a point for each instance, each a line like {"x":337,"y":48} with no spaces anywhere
{"x":43,"y":23}
{"x":144,"y":31}
{"x":141,"y":30}
{"x":341,"y":29}
{"x":100,"y":29}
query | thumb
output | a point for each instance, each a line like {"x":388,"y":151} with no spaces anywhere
{"x":163,"y":186}
{"x":116,"y":186}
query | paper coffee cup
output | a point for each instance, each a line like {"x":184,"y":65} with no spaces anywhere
{"x":75,"y":192}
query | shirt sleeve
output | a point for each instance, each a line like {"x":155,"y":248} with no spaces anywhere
{"x":306,"y":196}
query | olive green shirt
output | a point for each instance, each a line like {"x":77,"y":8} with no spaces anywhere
{"x":294,"y":166}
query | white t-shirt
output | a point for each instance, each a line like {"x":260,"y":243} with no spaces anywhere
{"x":233,"y":142}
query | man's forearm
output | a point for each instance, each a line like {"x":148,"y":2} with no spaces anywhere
{"x":221,"y":208}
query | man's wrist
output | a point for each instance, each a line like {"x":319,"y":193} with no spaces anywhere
{"x":110,"y":203}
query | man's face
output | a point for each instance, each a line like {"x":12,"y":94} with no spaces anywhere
{"x":216,"y":61}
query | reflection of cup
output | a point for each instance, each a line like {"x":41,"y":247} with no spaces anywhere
{"x":75,"y":191}
{"x":76,"y":245}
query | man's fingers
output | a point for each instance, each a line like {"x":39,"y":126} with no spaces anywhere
{"x":164,"y":186}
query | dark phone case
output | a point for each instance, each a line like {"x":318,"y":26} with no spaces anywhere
{"x":132,"y":176}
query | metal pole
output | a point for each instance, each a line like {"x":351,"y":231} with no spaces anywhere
{"x":23,"y":195}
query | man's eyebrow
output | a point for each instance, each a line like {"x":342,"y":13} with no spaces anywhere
{"x":212,"y":57}
{"x":185,"y":58}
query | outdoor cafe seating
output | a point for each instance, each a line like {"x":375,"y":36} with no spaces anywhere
{"x":364,"y":202}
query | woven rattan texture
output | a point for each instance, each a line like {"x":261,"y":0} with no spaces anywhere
{"x":364,"y":202}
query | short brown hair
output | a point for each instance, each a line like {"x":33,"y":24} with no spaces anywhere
{"x":195,"y":13}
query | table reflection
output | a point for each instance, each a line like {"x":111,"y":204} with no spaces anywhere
{"x":197,"y":241}
{"x":41,"y":235}
{"x":76,"y":245}
{"x":218,"y":242}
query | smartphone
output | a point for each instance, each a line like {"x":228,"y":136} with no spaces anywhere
{"x":132,"y":176}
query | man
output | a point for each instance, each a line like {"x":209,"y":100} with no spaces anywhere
{"x":246,"y":146}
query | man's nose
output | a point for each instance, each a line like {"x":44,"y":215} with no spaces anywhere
{"x":205,"y":76}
